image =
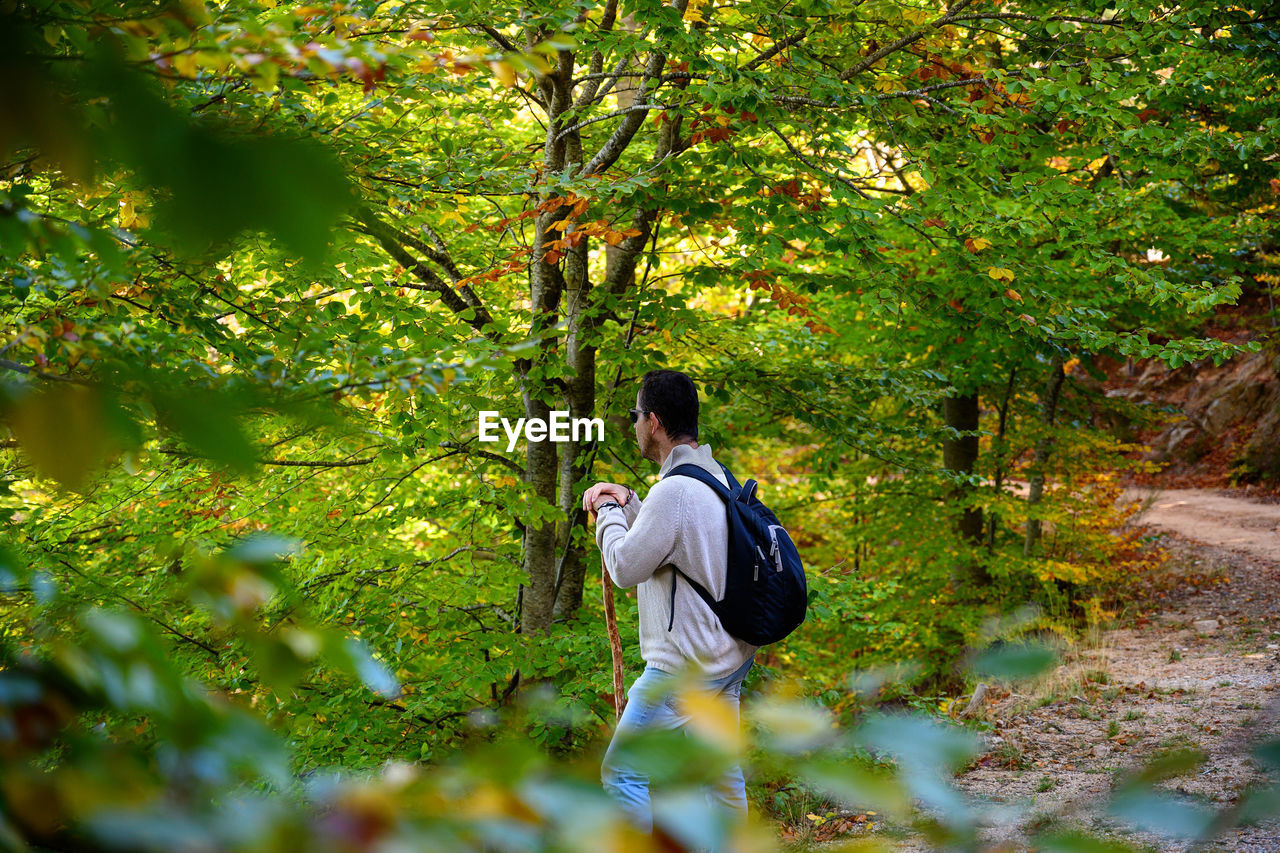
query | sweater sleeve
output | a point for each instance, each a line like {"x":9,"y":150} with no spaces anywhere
{"x":632,"y":552}
{"x":632,"y":508}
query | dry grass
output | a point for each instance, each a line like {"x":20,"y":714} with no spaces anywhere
{"x":1081,"y":668}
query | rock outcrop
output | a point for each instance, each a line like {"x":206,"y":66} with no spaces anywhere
{"x":1222,"y":422}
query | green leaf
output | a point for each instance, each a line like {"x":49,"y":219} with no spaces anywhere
{"x":1015,"y":661}
{"x":1160,"y":813}
{"x":14,"y":573}
{"x":917,"y":741}
{"x":265,"y":548}
{"x":207,"y":423}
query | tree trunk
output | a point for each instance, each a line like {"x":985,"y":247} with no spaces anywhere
{"x":1043,"y":448}
{"x":580,"y":399}
{"x":546,"y":284}
{"x":555,"y":479}
{"x":998,"y":450}
{"x":960,"y":456}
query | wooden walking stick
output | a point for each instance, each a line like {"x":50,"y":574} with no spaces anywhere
{"x":615,"y":642}
{"x":610,"y":621}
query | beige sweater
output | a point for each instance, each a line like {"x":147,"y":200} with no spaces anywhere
{"x":681,"y":522}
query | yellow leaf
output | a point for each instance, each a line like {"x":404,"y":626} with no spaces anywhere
{"x":490,"y":801}
{"x":1000,"y":273}
{"x":343,"y":23}
{"x":1013,"y":294}
{"x":265,"y":76}
{"x":127,"y":214}
{"x":505,"y":72}
{"x":185,"y":64}
{"x":977,"y":244}
{"x":712,"y":718}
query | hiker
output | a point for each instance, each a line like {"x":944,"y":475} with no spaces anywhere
{"x":681,"y":523}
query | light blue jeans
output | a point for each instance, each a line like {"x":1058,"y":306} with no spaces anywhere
{"x":650,"y":706}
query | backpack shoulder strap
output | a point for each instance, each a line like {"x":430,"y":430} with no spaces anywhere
{"x":728,"y":475}
{"x":676,"y":574}
{"x":727,"y":494}
{"x":702,"y":475}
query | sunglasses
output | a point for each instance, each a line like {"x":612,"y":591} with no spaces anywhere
{"x":636,"y":413}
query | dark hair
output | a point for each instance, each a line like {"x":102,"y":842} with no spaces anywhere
{"x":673,"y":397}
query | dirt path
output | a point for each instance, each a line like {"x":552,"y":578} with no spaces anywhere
{"x":1213,"y":518}
{"x":1194,"y":663}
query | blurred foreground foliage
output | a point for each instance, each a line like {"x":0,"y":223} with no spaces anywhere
{"x":263,"y":264}
{"x":108,"y":745}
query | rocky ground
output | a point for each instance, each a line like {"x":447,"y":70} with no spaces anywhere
{"x":1193,"y":662}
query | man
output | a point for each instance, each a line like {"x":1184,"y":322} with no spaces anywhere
{"x":682,"y":523}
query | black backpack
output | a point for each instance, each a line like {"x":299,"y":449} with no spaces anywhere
{"x":765,"y":594}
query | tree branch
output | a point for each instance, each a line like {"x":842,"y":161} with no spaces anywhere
{"x":596,"y":64}
{"x":40,"y":374}
{"x":300,"y":463}
{"x":795,"y":151}
{"x":393,"y":242}
{"x":1019,"y":16}
{"x":776,"y":49}
{"x":615,"y":114}
{"x":475,"y":451}
{"x":415,"y":469}
{"x":880,"y":54}
{"x":622,"y":135}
